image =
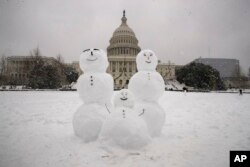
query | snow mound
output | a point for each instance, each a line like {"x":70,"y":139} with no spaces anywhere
{"x":154,"y":116}
{"x":124,"y":129}
{"x":88,"y":120}
{"x":147,"y":86}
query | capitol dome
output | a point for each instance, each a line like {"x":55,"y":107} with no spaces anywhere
{"x":122,"y":50}
{"x":123,"y":41}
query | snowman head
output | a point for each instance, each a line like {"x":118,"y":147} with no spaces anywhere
{"x":146,"y":60}
{"x":124,"y":98}
{"x":93,"y":60}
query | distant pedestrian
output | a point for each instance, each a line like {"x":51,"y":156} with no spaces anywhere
{"x":240,"y":91}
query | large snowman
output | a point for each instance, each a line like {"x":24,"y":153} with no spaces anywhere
{"x":95,"y":88}
{"x":124,"y":128}
{"x":148,"y":86}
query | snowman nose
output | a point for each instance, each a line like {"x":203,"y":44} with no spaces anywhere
{"x":91,"y":53}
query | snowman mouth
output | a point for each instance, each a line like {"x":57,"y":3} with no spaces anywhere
{"x":124,"y":98}
{"x":92,"y":59}
{"x":148,"y":61}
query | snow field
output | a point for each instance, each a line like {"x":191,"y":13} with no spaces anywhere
{"x":200,"y":130}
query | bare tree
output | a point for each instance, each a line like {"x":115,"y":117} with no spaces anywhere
{"x":2,"y":64}
{"x":4,"y":77}
{"x":249,"y":72}
{"x":60,"y":59}
{"x":61,"y":68}
{"x":36,"y":57}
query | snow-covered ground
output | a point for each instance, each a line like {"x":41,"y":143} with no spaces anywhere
{"x":201,"y":128}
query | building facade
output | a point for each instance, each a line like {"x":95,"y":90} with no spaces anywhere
{"x":167,"y":70}
{"x":249,"y":72}
{"x":228,"y":68}
{"x":19,"y":67}
{"x":122,"y":51}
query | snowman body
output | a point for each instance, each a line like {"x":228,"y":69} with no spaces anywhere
{"x":124,"y":128}
{"x":153,"y":114}
{"x":148,"y":86}
{"x":95,"y":88}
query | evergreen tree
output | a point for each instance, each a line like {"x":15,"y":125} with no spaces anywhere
{"x":52,"y":79}
{"x":37,"y":74}
{"x":71,"y":74}
{"x":44,"y":77}
{"x":200,"y":76}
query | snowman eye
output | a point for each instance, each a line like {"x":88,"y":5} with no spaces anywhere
{"x":86,"y":50}
{"x":96,"y":49}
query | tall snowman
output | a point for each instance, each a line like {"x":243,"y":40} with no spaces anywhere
{"x":148,"y":86}
{"x":95,"y":88}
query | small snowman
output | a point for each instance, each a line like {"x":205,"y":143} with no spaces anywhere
{"x":95,"y":88}
{"x":124,"y":128}
{"x":148,"y":86}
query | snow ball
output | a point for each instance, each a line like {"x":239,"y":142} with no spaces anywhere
{"x":146,"y":60}
{"x":124,"y":98}
{"x":93,"y":60}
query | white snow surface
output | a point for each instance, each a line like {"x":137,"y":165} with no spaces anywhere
{"x":200,"y":130}
{"x":93,"y":60}
{"x":146,"y":60}
{"x":124,"y":98}
{"x":154,"y":116}
{"x":88,"y":121}
{"x":124,"y":129}
{"x":147,"y":86}
{"x":95,"y":88}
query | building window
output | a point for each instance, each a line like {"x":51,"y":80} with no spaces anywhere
{"x":130,"y":66}
{"x":120,"y":66}
{"x":113,"y":66}
{"x":120,"y":82}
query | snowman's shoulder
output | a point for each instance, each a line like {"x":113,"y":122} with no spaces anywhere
{"x":81,"y":78}
{"x":139,"y":74}
{"x":106,"y":77}
{"x":109,"y":76}
{"x":157,"y":75}
{"x":85,"y":75}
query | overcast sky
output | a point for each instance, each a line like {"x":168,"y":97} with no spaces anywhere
{"x":176,"y":30}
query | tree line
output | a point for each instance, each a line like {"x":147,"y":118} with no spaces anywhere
{"x":44,"y":75}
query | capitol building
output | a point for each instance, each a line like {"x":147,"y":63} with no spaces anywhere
{"x":122,"y":52}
